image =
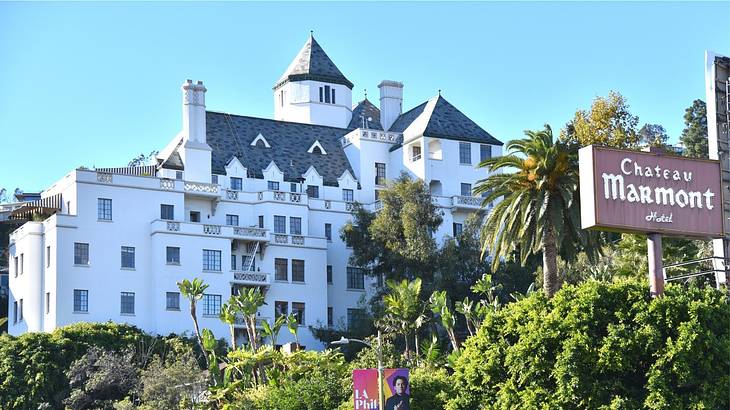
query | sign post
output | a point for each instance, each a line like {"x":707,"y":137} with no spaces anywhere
{"x":650,"y":193}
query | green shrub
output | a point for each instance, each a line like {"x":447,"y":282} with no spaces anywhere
{"x":600,"y":346}
{"x":430,"y":388}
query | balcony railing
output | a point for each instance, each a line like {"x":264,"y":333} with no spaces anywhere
{"x":467,"y":201}
{"x":249,"y":231}
{"x":251,"y":278}
{"x":284,"y":239}
{"x":259,"y":321}
{"x":201,"y":188}
{"x":224,"y":231}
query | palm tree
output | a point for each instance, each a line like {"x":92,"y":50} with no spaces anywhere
{"x":248,"y":303}
{"x":228,"y":315}
{"x":293,"y":324}
{"x":540,"y":209}
{"x":403,"y":308}
{"x":272,"y":331}
{"x":194,"y":291}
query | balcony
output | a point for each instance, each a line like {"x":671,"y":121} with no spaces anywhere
{"x":466,"y":202}
{"x":283,"y":196}
{"x":201,"y":189}
{"x":221,"y":231}
{"x":251,"y":278}
{"x":241,"y":324}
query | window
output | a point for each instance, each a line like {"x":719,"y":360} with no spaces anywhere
{"x":48,"y":256}
{"x":348,"y":195}
{"x":328,"y":232}
{"x":214,"y":178}
{"x":128,"y":257}
{"x":236,"y":184}
{"x":281,"y":269}
{"x":415,"y":152}
{"x":293,"y":187}
{"x":167,"y":212}
{"x":22,"y":263}
{"x":211,"y":305}
{"x":329,"y":274}
{"x":327,"y":94}
{"x":295,"y":226}
{"x":178,"y":175}
{"x":321,"y":94}
{"x":48,"y":302}
{"x":15,"y":312}
{"x":211,"y":260}
{"x":172,"y":301}
{"x":233,"y":262}
{"x":485,"y":152}
{"x":333,"y":95}
{"x":172,"y":256}
{"x":261,"y":221}
{"x":329,"y":316}
{"x":279,"y":224}
{"x":313,"y":191}
{"x":20,"y":311}
{"x":354,"y":317}
{"x":127,"y":303}
{"x":104,"y":209}
{"x":15,"y":264}
{"x":81,"y":300}
{"x":232,"y":220}
{"x":465,"y":153}
{"x":465,"y":189}
{"x":281,"y":308}
{"x":297,"y":309}
{"x":194,"y":216}
{"x":297,"y":270}
{"x":457,"y":229}
{"x":355,"y":278}
{"x":273,"y":185}
{"x":81,"y":253}
{"x":379,"y":173}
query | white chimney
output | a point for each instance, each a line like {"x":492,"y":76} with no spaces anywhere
{"x":391,"y":102}
{"x":195,"y":152}
{"x":194,"y":111}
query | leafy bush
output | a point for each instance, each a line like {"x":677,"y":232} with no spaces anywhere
{"x":430,"y":388}
{"x":100,"y":378}
{"x":599,"y":346}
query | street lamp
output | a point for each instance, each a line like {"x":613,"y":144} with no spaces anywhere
{"x":343,"y":341}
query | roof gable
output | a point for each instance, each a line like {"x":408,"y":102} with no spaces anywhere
{"x":312,"y":63}
{"x":367,"y":111}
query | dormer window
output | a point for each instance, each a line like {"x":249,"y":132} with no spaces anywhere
{"x":260,"y":142}
{"x":327,"y":94}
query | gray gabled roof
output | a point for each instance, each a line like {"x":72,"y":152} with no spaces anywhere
{"x":231,"y":135}
{"x":365,"y":109}
{"x":439,"y":119}
{"x":312,"y":63}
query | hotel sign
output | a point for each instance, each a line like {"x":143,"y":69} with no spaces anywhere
{"x":643,"y":192}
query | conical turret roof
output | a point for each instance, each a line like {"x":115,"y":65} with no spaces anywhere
{"x":312,"y":63}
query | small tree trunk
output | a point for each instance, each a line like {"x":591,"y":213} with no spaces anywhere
{"x":454,"y":341}
{"x":197,"y":332}
{"x":418,"y":352}
{"x":408,"y":350}
{"x":468,"y":327}
{"x":233,"y":337}
{"x":550,"y":281}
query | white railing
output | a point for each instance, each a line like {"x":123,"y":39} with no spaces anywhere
{"x":104,"y":177}
{"x":253,"y":278}
{"x":249,"y":231}
{"x":173,"y":226}
{"x":471,"y":201}
{"x":212,"y":229}
{"x":279,"y":196}
{"x":231,"y":194}
{"x":372,"y":135}
{"x":349,"y":206}
{"x":327,"y":204}
{"x":166,"y":183}
{"x":377,"y":206}
{"x":297,"y":240}
{"x":201,"y":187}
{"x":293,"y":197}
{"x":280,"y":238}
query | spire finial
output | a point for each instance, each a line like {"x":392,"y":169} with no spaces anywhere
{"x":311,"y":33}
{"x":366,"y":93}
{"x":439,"y":92}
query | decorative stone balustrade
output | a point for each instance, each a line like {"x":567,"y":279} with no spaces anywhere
{"x":279,"y":196}
{"x":281,"y":239}
{"x":469,"y":201}
{"x":297,"y":240}
{"x":231,"y":194}
{"x":104,"y":177}
{"x":212,"y":229}
{"x":349,"y":206}
{"x":250,"y":277}
{"x":377,"y":206}
{"x":327,"y":204}
{"x":372,"y":135}
{"x":249,"y":231}
{"x":167,"y":183}
{"x":201,"y":187}
{"x":294,"y":197}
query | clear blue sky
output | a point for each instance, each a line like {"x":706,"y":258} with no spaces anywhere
{"x":95,"y":84}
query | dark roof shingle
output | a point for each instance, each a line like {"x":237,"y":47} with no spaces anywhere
{"x":231,"y":135}
{"x":365,"y":109}
{"x":312,"y":63}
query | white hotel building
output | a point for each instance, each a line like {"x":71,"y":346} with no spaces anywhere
{"x":240,"y":201}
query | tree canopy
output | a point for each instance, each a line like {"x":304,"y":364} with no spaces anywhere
{"x":608,"y":122}
{"x":694,"y":134}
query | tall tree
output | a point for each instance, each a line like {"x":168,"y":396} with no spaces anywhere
{"x":540,"y":209}
{"x":404,"y":308}
{"x":694,"y":134}
{"x":609,"y":122}
{"x":396,"y":242}
{"x":653,"y":135}
{"x":194,"y":291}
